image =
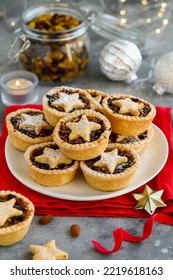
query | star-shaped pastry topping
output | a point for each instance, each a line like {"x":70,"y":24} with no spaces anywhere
{"x":7,"y":211}
{"x":82,"y":128}
{"x":53,"y":157}
{"x":110,"y":160}
{"x":48,"y":251}
{"x":98,"y":98}
{"x":97,"y":102}
{"x":68,"y":101}
{"x":149,"y":200}
{"x":35,"y":122}
{"x":128,"y":106}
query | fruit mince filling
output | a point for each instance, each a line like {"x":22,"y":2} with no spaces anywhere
{"x":29,"y":131}
{"x":119,"y":168}
{"x":127,"y":139}
{"x":143,"y":112}
{"x":51,"y":98}
{"x":19,"y":205}
{"x":94,"y":135}
{"x":46,"y":166}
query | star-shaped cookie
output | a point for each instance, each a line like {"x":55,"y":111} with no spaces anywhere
{"x":53,"y":157}
{"x":110,"y":160}
{"x":7,"y":211}
{"x":35,"y":122}
{"x":82,"y":128}
{"x":149,"y":200}
{"x":68,"y":101}
{"x":48,"y":251}
{"x":128,"y":106}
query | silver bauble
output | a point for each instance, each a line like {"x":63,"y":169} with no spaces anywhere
{"x":163,"y":74}
{"x":120,"y":60}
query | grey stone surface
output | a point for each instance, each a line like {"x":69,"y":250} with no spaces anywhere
{"x":159,"y":245}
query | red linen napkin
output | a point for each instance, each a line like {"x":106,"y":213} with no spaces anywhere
{"x":122,"y":206}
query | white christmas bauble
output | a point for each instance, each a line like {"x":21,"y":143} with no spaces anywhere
{"x":163,"y":74}
{"x":119,"y":60}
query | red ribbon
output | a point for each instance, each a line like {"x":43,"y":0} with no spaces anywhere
{"x":120,"y":234}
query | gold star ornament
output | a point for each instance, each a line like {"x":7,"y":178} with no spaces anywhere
{"x":149,"y":200}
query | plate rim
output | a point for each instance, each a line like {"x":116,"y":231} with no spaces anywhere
{"x":105,"y":195}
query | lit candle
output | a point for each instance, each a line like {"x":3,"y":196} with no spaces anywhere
{"x":19,"y":87}
{"x":19,"y":84}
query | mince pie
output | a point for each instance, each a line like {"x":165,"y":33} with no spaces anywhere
{"x":98,"y":96}
{"x":62,"y":100}
{"x":48,"y":166}
{"x":137,"y":142}
{"x":112,"y":170}
{"x":27,"y":127}
{"x":82,"y":134}
{"x":16,"y":214}
{"x":128,"y":115}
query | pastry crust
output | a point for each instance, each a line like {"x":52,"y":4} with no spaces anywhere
{"x":98,"y":96}
{"x":53,"y":115}
{"x":111,"y":182}
{"x":12,"y":234}
{"x":87,"y":149}
{"x":48,"y":251}
{"x":139,"y":145}
{"x":128,"y":124}
{"x":20,"y":140}
{"x":53,"y":176}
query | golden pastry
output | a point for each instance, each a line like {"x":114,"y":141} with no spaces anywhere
{"x":62,"y":100}
{"x":98,"y":96}
{"x":114,"y":169}
{"x":16,"y":214}
{"x":82,"y":134}
{"x":128,"y":115}
{"x":48,"y":251}
{"x":48,"y":166}
{"x":27,"y":127}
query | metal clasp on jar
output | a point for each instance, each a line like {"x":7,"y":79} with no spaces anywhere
{"x":14,"y":54}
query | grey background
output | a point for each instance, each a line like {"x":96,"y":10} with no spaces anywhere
{"x":159,"y":245}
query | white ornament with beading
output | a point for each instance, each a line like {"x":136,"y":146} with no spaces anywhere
{"x":120,"y":60}
{"x":163,"y":74}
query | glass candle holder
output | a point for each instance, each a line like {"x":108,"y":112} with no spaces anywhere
{"x":19,"y":87}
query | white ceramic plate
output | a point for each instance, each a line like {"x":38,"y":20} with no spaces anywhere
{"x":152,"y":161}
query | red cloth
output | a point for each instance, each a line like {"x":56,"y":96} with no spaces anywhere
{"x":122,"y":206}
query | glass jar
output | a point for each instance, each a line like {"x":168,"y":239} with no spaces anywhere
{"x":141,"y":21}
{"x":54,"y":56}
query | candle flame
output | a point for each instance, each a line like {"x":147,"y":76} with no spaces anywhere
{"x":17,"y":83}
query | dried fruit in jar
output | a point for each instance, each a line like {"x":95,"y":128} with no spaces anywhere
{"x":53,"y":22}
{"x":52,"y":60}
